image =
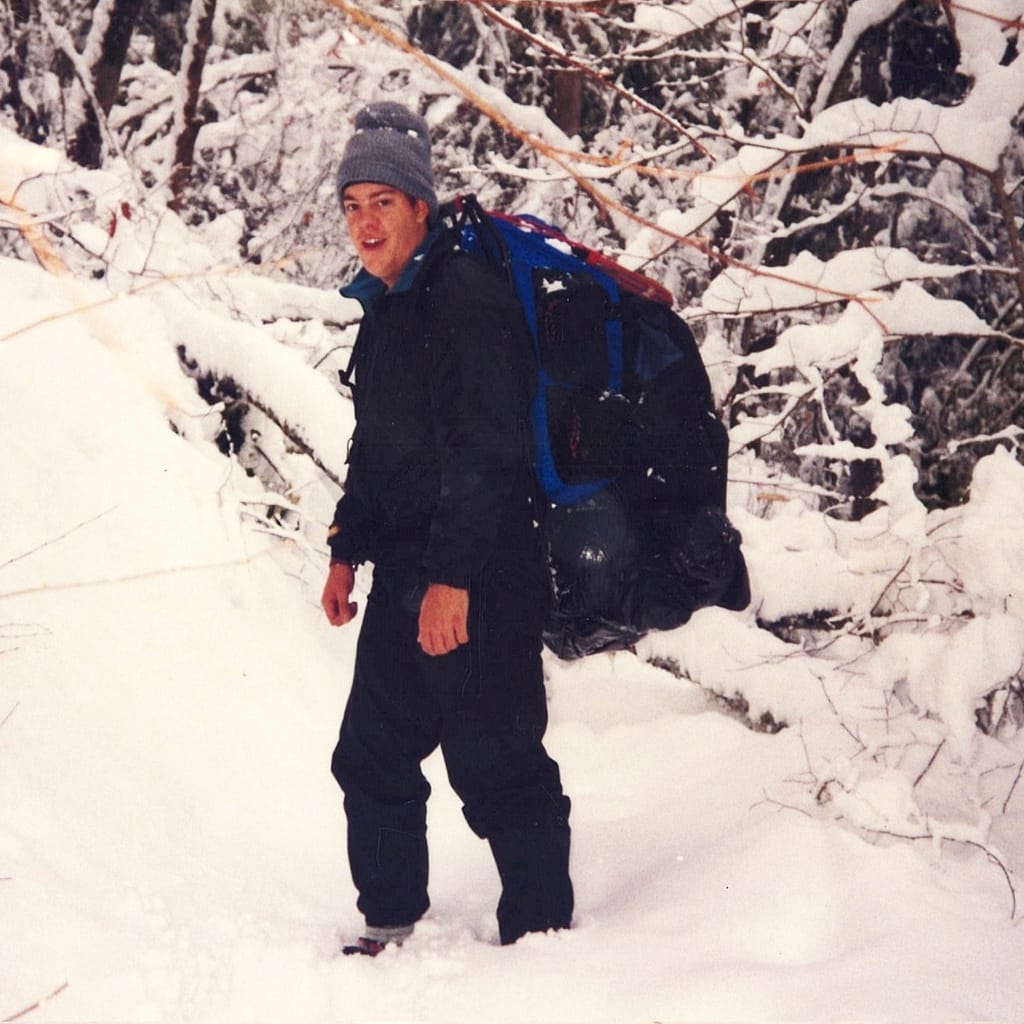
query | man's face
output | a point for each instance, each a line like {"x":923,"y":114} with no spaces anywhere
{"x":386,"y":227}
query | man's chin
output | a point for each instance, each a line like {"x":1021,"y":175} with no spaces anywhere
{"x":372,"y":265}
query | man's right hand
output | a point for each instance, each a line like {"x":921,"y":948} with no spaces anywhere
{"x":336,"y":598}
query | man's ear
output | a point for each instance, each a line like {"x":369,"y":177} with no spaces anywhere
{"x":422,"y":210}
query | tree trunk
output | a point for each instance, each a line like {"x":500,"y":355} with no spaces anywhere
{"x":105,"y":53}
{"x":567,"y":100}
{"x":198,"y":36}
{"x":14,"y":68}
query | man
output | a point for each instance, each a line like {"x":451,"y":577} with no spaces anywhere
{"x":439,"y":498}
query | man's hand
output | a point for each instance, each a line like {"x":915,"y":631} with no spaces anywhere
{"x":444,"y":616}
{"x":336,"y":598}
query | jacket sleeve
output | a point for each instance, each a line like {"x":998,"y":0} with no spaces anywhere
{"x":481,"y":385}
{"x":350,"y":537}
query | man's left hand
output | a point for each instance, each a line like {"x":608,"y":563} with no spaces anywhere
{"x":444,"y":616}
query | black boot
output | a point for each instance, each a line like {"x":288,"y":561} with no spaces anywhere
{"x":536,"y":891}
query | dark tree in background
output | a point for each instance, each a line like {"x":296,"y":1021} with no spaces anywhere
{"x":106,"y":49}
{"x":198,"y":36}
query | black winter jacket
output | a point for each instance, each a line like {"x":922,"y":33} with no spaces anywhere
{"x":439,"y":464}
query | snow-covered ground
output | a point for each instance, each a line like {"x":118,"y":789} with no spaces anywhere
{"x":172,"y":843}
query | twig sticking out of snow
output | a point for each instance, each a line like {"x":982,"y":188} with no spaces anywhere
{"x":36,"y":1005}
{"x":57,"y":539}
{"x":132,"y":578}
{"x":9,"y":714}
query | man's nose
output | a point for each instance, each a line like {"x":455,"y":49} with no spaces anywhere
{"x":360,"y":220}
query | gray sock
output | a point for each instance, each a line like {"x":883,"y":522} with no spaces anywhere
{"x":395,"y":934}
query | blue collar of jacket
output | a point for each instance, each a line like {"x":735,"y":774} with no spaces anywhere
{"x":369,"y":289}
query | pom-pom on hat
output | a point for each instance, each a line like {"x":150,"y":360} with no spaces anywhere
{"x":391,"y":145}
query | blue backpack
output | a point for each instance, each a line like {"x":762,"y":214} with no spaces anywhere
{"x":629,"y":452}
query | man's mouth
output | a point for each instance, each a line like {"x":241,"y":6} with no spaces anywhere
{"x":372,"y":243}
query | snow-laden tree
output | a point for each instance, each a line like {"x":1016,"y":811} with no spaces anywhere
{"x":755,"y":137}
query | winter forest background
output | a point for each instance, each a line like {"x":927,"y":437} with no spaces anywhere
{"x":832,"y":192}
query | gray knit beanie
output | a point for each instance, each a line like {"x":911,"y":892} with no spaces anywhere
{"x":391,"y":145}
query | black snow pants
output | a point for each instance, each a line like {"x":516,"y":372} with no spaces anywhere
{"x":485,"y":705}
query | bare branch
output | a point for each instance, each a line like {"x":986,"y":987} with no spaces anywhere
{"x":38,"y":1004}
{"x":58,"y":538}
{"x":1009,"y":795}
{"x":931,"y":761}
{"x":9,"y":714}
{"x":1010,"y":224}
{"x":151,"y":574}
